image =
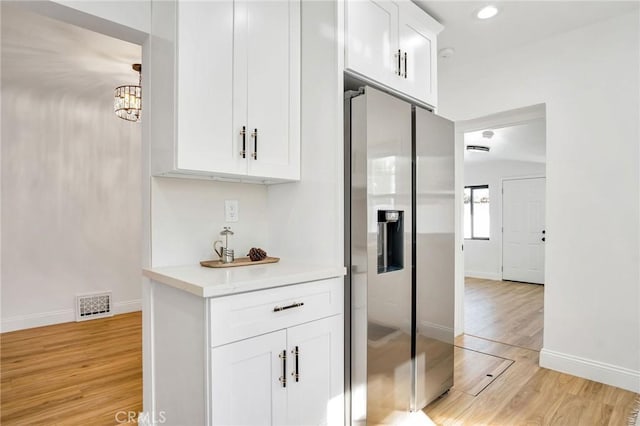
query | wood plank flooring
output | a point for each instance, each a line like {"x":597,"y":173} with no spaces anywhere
{"x":72,"y":374}
{"x":504,"y":311}
{"x":474,"y":371}
{"x":524,"y":394}
{"x":84,"y":373}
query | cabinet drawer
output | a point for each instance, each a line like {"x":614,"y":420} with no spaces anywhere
{"x":245,"y":315}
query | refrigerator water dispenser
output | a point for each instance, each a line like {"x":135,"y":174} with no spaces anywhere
{"x":390,"y":240}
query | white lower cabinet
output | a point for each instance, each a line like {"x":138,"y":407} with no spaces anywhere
{"x":221,"y":360}
{"x":286,"y":377}
{"x":245,"y":381}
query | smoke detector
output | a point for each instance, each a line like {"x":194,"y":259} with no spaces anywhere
{"x":488,"y":134}
{"x":446,"y":52}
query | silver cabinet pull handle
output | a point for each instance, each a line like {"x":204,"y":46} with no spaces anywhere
{"x":399,"y":72}
{"x":296,"y":373}
{"x":255,"y":144}
{"x":283,"y":378}
{"x":405,"y":64}
{"x":243,"y":132}
{"x":284,"y":308}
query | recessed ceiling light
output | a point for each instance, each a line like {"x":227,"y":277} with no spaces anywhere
{"x":478,"y":148}
{"x":487,"y":12}
{"x":488,"y":134}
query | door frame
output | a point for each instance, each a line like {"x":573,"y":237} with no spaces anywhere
{"x":497,"y":120}
{"x":501,"y":245}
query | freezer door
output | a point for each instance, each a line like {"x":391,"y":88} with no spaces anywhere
{"x":381,"y":225}
{"x":434,"y":220}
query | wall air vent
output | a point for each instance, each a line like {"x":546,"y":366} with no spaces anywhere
{"x":93,"y":305}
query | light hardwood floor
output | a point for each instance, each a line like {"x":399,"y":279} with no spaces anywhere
{"x":85,"y":373}
{"x":524,"y":393}
{"x":72,"y":374}
{"x":504,"y":312}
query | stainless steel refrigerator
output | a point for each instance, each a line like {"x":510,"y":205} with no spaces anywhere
{"x":399,"y":252}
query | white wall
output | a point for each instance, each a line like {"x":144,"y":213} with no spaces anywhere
{"x":70,"y":206}
{"x":188,"y":215}
{"x":589,"y":80}
{"x":306,"y":219}
{"x":483,"y":258}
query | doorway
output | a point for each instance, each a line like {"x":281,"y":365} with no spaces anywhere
{"x":523,"y":230}
{"x":71,"y":201}
{"x":502,"y":202}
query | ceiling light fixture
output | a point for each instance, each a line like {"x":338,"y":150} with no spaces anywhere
{"x":478,"y":148}
{"x":487,"y":12}
{"x":127,"y":102}
{"x":488,"y":134}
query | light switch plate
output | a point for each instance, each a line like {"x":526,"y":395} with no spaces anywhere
{"x":231,"y":210}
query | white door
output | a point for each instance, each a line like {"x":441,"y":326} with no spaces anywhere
{"x":315,"y":379}
{"x":268,"y":42}
{"x":372,"y":40}
{"x":418,"y":45}
{"x":206,"y":138}
{"x":524,"y":234}
{"x":246,"y":387}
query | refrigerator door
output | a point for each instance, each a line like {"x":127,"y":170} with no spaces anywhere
{"x":381,"y":248}
{"x":434,"y":220}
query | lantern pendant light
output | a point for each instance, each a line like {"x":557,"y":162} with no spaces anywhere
{"x":127,"y":102}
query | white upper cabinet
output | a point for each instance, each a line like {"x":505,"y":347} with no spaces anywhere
{"x":205,"y":131}
{"x":393,"y":43}
{"x":268,"y":77}
{"x":236,"y":88}
{"x":372,"y":39}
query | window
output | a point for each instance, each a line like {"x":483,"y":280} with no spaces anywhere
{"x":476,"y":212}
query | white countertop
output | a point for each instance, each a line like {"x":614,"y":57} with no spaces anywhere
{"x":216,"y":282}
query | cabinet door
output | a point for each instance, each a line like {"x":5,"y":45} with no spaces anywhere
{"x":372,"y":40}
{"x":206,"y":140}
{"x":315,"y":380}
{"x":268,"y":49}
{"x":245,"y":382}
{"x":418,"y":41}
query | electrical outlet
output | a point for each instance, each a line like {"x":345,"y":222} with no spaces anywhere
{"x":231,"y":210}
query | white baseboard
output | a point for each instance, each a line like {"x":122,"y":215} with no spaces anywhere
{"x":436,"y":331}
{"x":593,"y":370}
{"x":127,"y":306}
{"x":40,"y":319}
{"x":483,"y":275}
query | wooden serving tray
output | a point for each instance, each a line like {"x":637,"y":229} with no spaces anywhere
{"x":241,"y":261}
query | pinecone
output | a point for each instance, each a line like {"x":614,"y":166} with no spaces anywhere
{"x":256,"y":254}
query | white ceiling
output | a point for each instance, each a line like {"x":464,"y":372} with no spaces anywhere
{"x":44,"y":54}
{"x":522,"y":142}
{"x":518,"y":23}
